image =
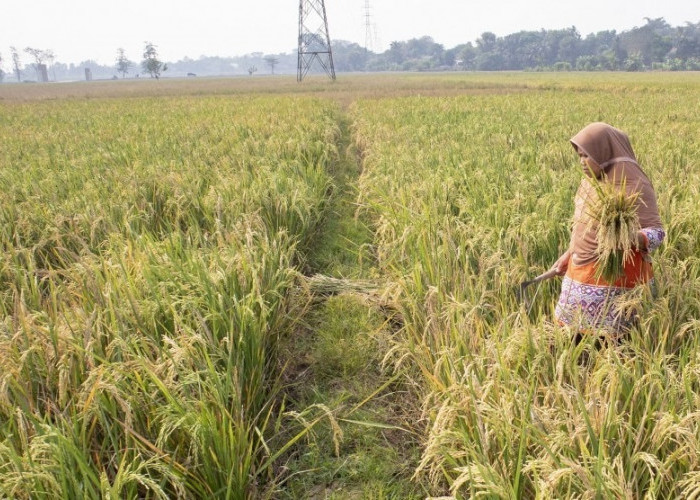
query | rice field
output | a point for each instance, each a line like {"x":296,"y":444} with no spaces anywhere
{"x":149,"y":247}
{"x":472,"y":195}
{"x":154,"y":239}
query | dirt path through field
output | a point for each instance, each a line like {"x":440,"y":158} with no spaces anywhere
{"x":335,"y":360}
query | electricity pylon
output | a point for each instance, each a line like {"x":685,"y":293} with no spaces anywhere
{"x":314,"y":41}
{"x":368,"y":28}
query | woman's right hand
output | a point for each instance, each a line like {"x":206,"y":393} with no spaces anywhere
{"x":562,"y":263}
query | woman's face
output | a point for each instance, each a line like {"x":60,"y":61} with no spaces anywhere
{"x":590,"y":167}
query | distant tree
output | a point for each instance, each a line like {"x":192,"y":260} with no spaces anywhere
{"x":525,"y":49}
{"x":151,"y":64}
{"x":688,"y":43}
{"x":40,"y":57}
{"x":487,"y":42}
{"x":272,"y":61}
{"x":16,"y":63}
{"x":2,"y":73}
{"x":490,"y":57}
{"x":586,"y":63}
{"x":417,"y":54}
{"x":396,"y":52}
{"x":252,"y":70}
{"x":123,"y":62}
{"x":569,"y":45}
{"x":652,"y":42}
{"x":349,"y":56}
{"x":660,"y":47}
{"x":467,"y":55}
{"x":490,"y":61}
{"x":595,"y":45}
{"x":659,"y":26}
{"x":451,"y":56}
{"x":634,"y":62}
{"x":692,"y":64}
{"x":51,"y":59}
{"x":611,"y":59}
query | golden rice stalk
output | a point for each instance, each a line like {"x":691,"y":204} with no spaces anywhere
{"x":614,"y":215}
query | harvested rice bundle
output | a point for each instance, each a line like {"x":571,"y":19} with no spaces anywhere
{"x":382,"y":297}
{"x":615,"y":217}
{"x":320,"y":284}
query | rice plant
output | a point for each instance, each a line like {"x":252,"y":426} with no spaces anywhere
{"x":472,"y":194}
{"x":151,"y":245}
{"x":149,"y":251}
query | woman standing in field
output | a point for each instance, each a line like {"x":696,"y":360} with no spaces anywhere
{"x":587,"y":300}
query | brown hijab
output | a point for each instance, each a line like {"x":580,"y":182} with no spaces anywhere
{"x":610,"y":148}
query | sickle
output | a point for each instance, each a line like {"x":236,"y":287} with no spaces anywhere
{"x":542,"y":277}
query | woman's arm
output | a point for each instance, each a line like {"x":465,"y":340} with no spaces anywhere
{"x":562,"y":263}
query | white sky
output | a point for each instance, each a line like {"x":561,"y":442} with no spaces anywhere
{"x":77,"y":30}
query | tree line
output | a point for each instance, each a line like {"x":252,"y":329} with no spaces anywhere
{"x":654,"y":46}
{"x":44,"y":64}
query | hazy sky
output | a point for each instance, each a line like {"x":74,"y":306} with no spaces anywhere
{"x":77,"y":30}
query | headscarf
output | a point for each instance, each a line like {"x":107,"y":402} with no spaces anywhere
{"x":610,"y":148}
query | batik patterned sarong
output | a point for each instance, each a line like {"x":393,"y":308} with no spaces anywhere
{"x":590,"y":304}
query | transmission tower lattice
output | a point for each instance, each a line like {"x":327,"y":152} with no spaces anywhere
{"x":314,"y":41}
{"x":368,"y":27}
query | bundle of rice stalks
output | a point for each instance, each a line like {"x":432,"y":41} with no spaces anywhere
{"x":323,"y":285}
{"x":614,"y":215}
{"x":384,"y":298}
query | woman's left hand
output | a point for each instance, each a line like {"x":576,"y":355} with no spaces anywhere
{"x":642,"y":242}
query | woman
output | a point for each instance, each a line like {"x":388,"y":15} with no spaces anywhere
{"x":587,"y":302}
